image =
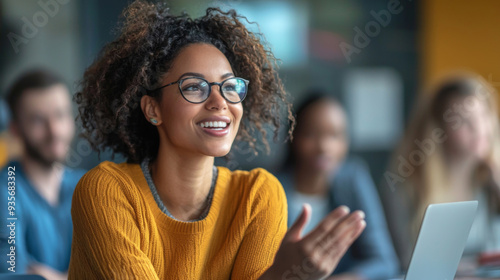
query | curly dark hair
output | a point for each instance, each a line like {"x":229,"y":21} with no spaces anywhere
{"x":150,"y":38}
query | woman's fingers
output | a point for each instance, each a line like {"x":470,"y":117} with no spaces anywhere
{"x":343,"y":229}
{"x":337,"y":250}
{"x":295,"y":231}
{"x":325,"y":226}
{"x":319,"y":251}
{"x":338,"y":239}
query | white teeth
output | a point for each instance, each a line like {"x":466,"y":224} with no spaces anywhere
{"x":216,"y":124}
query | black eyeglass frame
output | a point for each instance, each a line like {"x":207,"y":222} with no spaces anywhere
{"x":180,"y":81}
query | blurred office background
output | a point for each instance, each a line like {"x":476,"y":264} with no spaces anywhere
{"x":374,"y":64}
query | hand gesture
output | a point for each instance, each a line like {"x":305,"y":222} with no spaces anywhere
{"x":317,"y":254}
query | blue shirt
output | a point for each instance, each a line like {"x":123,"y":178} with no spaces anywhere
{"x":372,"y":255}
{"x":43,"y":232}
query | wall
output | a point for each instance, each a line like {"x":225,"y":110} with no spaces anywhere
{"x":460,"y":35}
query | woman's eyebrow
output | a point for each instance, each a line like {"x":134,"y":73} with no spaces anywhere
{"x":227,"y":75}
{"x":194,"y":74}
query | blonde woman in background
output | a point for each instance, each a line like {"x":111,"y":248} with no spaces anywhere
{"x":449,"y":153}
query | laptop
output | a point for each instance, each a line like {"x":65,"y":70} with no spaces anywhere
{"x":441,"y":241}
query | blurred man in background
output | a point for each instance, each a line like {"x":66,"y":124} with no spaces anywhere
{"x":42,"y":118}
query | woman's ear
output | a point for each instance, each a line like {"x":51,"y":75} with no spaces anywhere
{"x":151,"y":110}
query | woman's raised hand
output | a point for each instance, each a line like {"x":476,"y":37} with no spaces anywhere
{"x":317,"y":254}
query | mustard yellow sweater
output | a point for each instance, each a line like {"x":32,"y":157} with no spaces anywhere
{"x":3,"y":152}
{"x":121,"y":233}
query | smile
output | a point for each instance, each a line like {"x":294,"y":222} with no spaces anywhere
{"x":216,"y":125}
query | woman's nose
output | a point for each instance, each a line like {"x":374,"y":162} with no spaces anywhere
{"x":216,"y":100}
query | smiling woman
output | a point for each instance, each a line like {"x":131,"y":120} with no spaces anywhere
{"x":141,"y":58}
{"x":168,"y":212}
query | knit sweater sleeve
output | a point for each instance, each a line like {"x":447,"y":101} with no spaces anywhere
{"x":106,"y":233}
{"x":266,"y":229}
{"x":4,"y":151}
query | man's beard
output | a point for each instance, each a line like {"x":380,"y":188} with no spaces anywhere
{"x":34,"y":152}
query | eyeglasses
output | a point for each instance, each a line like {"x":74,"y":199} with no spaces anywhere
{"x":197,"y":90}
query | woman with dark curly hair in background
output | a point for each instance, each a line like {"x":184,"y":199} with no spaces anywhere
{"x":167,"y":94}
